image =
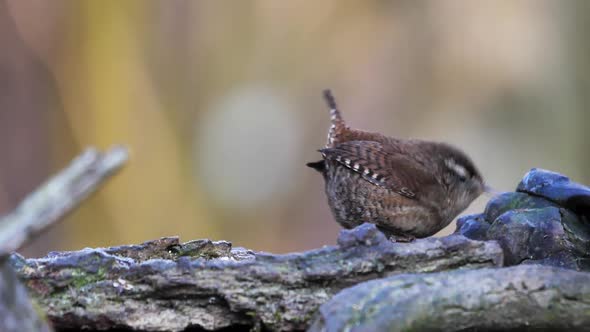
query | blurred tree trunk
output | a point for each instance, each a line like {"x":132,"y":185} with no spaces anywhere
{"x":28,"y":103}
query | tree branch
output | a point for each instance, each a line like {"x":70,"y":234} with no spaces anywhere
{"x":52,"y":201}
{"x":58,"y":196}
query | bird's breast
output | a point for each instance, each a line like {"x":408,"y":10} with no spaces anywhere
{"x":354,"y":201}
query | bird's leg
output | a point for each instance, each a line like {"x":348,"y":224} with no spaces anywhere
{"x":395,"y":237}
{"x":401,"y":238}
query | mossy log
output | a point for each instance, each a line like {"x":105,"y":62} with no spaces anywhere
{"x":167,"y":286}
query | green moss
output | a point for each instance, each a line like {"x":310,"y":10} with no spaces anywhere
{"x":277,"y":316}
{"x":308,"y":316}
{"x":202,"y":249}
{"x":39,"y":310}
{"x":81,"y":278}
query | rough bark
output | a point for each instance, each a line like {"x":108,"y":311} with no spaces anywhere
{"x":168,"y":286}
{"x":526,"y":297}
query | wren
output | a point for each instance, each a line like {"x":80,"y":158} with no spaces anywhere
{"x":408,"y":188}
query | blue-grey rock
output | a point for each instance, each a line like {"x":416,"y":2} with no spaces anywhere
{"x":557,"y":188}
{"x":504,"y":202}
{"x":570,"y":195}
{"x":534,"y":234}
{"x":473,"y":226}
{"x":529,"y":229}
{"x":577,"y":231}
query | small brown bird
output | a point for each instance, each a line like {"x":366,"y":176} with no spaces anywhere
{"x":408,"y":188}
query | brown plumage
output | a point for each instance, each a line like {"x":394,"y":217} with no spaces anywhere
{"x":408,"y":188}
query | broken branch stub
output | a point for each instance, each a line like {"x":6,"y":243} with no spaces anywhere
{"x":39,"y":210}
{"x":58,"y":196}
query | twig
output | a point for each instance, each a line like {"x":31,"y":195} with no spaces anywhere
{"x":58,"y":196}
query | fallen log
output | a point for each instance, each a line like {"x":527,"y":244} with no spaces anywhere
{"x":167,"y":286}
{"x":520,"y":298}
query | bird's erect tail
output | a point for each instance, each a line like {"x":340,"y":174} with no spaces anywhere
{"x":338,"y":124}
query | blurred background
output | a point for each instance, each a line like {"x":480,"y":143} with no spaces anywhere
{"x":220,"y":104}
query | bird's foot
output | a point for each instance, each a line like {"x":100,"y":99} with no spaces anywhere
{"x":395,"y":236}
{"x":401,"y":238}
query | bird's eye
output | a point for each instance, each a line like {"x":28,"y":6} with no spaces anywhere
{"x":459,"y":171}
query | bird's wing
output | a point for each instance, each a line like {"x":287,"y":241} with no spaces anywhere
{"x":390,"y":170}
